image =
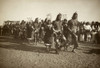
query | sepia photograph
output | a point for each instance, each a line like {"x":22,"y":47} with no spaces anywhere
{"x":49,"y":33}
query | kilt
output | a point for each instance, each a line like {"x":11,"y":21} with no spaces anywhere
{"x":48,"y":39}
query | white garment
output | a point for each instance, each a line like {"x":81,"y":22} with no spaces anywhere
{"x":81,"y":37}
{"x":87,"y":27}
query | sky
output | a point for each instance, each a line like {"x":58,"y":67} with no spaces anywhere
{"x":88,"y":10}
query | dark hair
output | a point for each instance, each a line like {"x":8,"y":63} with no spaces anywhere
{"x":36,"y":20}
{"x":48,"y":21}
{"x":87,"y":23}
{"x":65,"y":19}
{"x":57,"y":18}
{"x":22,"y":22}
{"x":73,"y":17}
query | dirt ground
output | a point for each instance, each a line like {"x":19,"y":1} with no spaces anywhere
{"x":14,"y":54}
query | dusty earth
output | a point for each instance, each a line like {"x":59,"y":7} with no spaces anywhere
{"x":15,"y":54}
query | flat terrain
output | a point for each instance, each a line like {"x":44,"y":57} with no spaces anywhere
{"x":14,"y":54}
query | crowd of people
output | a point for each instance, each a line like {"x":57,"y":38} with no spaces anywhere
{"x":61,"y":31}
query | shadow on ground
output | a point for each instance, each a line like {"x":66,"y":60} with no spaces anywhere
{"x":17,"y":45}
{"x":96,"y":51}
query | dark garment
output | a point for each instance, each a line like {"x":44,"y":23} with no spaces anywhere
{"x":29,"y":31}
{"x":65,"y":30}
{"x":48,"y":35}
{"x":0,"y":31}
{"x":74,"y":41}
{"x":86,"y":33}
{"x":41,"y":33}
{"x":98,"y":37}
{"x":5,"y":30}
{"x":16,"y":31}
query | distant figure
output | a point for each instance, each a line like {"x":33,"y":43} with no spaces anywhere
{"x":36,"y":27}
{"x":81,"y":32}
{"x":41,"y":31}
{"x":16,"y":30}
{"x":48,"y":35}
{"x":65,"y":30}
{"x":73,"y":24}
{"x":29,"y":30}
{"x":98,"y":34}
{"x":23,"y":30}
{"x":88,"y":29}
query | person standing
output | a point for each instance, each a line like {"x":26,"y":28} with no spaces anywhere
{"x":58,"y":29}
{"x":36,"y":26}
{"x":48,"y":37}
{"x":73,"y":25}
